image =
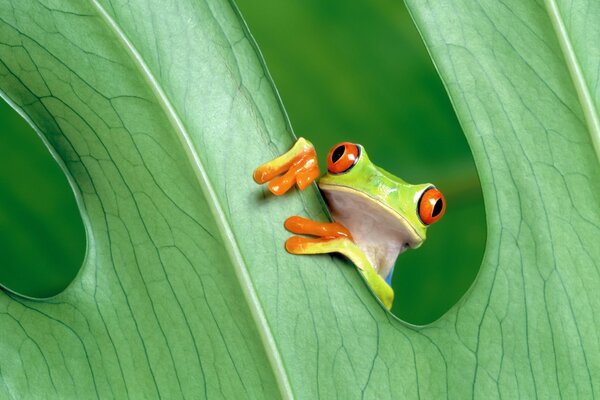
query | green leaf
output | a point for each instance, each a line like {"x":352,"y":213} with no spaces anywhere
{"x":523,"y":78}
{"x":164,"y":304}
{"x":160,"y":113}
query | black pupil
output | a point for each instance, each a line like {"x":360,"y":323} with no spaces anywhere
{"x":337,"y":154}
{"x":437,"y":208}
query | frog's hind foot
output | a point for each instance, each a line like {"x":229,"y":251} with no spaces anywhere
{"x":297,"y":166}
{"x":331,"y":236}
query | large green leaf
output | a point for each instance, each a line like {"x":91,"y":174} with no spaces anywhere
{"x":161,"y":111}
{"x":523,"y":78}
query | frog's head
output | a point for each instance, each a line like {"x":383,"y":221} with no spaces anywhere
{"x":372,"y":200}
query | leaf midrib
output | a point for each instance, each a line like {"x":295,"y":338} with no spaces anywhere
{"x":583,"y":93}
{"x":230,"y":242}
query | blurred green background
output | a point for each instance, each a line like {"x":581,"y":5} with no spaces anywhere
{"x":355,"y":71}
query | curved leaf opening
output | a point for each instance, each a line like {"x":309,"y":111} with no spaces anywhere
{"x":340,"y":82}
{"x":42,"y":237}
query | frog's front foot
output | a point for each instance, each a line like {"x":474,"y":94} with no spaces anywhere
{"x":331,"y":236}
{"x":297,"y":166}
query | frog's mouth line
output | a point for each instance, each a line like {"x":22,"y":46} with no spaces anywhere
{"x":340,"y":188}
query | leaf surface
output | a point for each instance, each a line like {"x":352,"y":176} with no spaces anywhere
{"x":160,"y":111}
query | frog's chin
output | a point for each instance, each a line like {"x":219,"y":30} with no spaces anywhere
{"x":381,"y":232}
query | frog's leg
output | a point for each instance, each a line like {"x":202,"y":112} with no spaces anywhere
{"x":335,"y":238}
{"x":298,"y":165}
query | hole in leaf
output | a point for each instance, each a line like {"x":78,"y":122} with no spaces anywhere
{"x":359,"y":72}
{"x":42,"y":238}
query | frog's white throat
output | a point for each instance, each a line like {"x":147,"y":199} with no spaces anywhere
{"x":380,"y":232}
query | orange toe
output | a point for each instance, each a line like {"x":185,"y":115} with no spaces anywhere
{"x":282,"y":184}
{"x":298,"y":245}
{"x":305,"y":178}
{"x":325,"y":230}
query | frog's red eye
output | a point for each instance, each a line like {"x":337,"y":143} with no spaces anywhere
{"x":342,"y":157}
{"x":431,"y":206}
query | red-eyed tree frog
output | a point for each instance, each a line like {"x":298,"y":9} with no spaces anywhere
{"x":377,"y":215}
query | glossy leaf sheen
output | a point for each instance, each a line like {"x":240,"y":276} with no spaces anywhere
{"x":160,"y":112}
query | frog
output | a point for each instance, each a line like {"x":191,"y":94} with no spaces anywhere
{"x":376,"y":215}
